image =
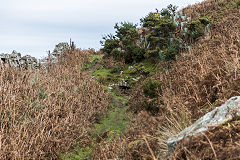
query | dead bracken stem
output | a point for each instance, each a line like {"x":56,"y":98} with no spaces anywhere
{"x":149,"y":148}
{"x":215,"y":155}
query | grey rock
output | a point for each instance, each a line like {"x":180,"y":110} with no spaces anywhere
{"x":16,"y":61}
{"x":216,"y":117}
{"x":28,"y":62}
{"x":123,"y":84}
{"x":61,"y":48}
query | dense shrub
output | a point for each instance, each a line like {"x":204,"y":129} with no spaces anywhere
{"x":197,"y":28}
{"x":161,"y":26}
{"x":171,"y":52}
{"x":150,"y":88}
{"x":237,"y":3}
{"x":117,"y":53}
{"x":126,"y":32}
{"x":109,"y":43}
{"x":162,"y":34}
{"x":136,"y":53}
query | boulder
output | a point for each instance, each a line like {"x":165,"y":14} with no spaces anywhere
{"x":216,"y":117}
{"x":16,"y":61}
{"x":123,"y":84}
{"x":28,"y":62}
{"x":61,"y":48}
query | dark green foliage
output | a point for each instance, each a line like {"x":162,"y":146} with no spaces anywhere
{"x":238,"y":3}
{"x":116,"y":69}
{"x":204,"y":20}
{"x":162,"y":35}
{"x":171,"y":52}
{"x":153,"y":18}
{"x":117,"y":53}
{"x":169,"y":10}
{"x":150,"y":88}
{"x":109,"y":42}
{"x":126,"y":32}
{"x":160,"y":25}
{"x":135,"y":53}
{"x":197,"y":28}
{"x":150,"y":20}
{"x":165,"y":26}
{"x":151,"y":53}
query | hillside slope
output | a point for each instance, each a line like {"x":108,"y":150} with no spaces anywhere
{"x":199,"y":80}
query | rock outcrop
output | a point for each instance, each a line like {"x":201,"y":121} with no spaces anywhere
{"x":15,"y":60}
{"x":28,"y":62}
{"x":61,"y":48}
{"x":216,"y":117}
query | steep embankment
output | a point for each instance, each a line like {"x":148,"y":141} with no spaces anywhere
{"x":209,"y":74}
{"x":199,"y":80}
{"x":203,"y":78}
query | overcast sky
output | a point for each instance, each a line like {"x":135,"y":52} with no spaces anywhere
{"x":35,"y":26}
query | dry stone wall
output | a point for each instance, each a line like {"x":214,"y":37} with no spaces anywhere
{"x":15,"y":59}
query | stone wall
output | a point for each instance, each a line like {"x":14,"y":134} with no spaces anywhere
{"x":15,"y":59}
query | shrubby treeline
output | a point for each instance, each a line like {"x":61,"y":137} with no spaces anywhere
{"x":161,"y":34}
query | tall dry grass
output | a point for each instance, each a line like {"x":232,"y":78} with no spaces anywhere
{"x":43,"y":113}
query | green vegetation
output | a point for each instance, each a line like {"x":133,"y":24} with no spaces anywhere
{"x":238,"y":3}
{"x":94,"y":58}
{"x":150,"y":88}
{"x":197,"y":28}
{"x":78,"y":154}
{"x":110,"y":43}
{"x":130,"y":73}
{"x":162,"y":34}
{"x":114,"y":124}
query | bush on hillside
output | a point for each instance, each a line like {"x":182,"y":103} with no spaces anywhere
{"x":109,"y":43}
{"x":117,"y":53}
{"x":197,"y":28}
{"x":136,"y":53}
{"x":171,"y":52}
{"x":238,"y":3}
{"x":161,"y":27}
{"x":126,"y":33}
{"x":162,"y":34}
{"x":150,"y":88}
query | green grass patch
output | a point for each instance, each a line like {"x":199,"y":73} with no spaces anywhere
{"x":78,"y":154}
{"x":114,"y":124}
{"x":94,"y":58}
{"x":102,"y":72}
{"x":130,"y":73}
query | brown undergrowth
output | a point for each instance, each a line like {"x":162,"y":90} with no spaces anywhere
{"x":44,"y":113}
